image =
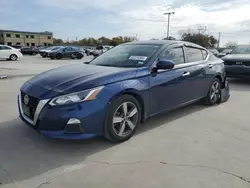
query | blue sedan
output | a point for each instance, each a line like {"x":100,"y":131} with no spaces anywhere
{"x":115,"y":92}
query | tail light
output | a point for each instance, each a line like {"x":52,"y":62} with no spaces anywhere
{"x":20,"y":51}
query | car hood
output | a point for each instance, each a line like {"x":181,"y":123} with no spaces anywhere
{"x":77,"y":77}
{"x":237,"y":57}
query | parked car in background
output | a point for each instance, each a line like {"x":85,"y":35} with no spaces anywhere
{"x":32,"y":50}
{"x":101,"y":49}
{"x":44,"y":52}
{"x":115,"y":92}
{"x":16,"y":46}
{"x":237,"y":63}
{"x":224,"y":52}
{"x":10,"y":53}
{"x":66,"y":52}
{"x":90,"y":50}
{"x":214,"y":51}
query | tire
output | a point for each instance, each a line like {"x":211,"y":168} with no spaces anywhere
{"x":214,"y":93}
{"x":79,"y":56}
{"x":59,"y":56}
{"x":124,"y":127}
{"x":13,"y":57}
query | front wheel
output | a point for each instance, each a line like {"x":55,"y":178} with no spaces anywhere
{"x":79,"y":56}
{"x":214,"y":93}
{"x":122,"y":119}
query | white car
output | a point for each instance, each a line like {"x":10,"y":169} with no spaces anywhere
{"x":101,"y":49}
{"x":8,"y":52}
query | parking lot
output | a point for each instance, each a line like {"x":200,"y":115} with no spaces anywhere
{"x":193,"y":147}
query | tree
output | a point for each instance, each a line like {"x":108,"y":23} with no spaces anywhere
{"x":200,"y":39}
{"x":57,"y":41}
{"x":169,"y":38}
{"x":95,"y":42}
{"x":231,"y":44}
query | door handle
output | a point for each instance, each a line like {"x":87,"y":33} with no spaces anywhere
{"x":186,"y":74}
{"x":210,"y":66}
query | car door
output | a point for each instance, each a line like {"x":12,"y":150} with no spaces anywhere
{"x":67,"y":52}
{"x":5,"y":52}
{"x":1,"y":53}
{"x":196,"y":66}
{"x":170,"y":88}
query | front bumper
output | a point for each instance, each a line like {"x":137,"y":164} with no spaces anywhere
{"x":237,"y":71}
{"x":52,"y":122}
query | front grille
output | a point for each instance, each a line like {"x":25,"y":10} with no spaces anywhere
{"x":246,"y":63}
{"x":32,"y":105}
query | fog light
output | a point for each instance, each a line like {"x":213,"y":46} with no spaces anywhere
{"x":74,"y":126}
{"x":73,"y":121}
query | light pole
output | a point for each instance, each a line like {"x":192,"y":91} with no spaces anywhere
{"x":168,"y":13}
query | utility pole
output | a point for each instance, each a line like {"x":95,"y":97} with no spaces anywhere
{"x":168,"y":14}
{"x":219,"y":40}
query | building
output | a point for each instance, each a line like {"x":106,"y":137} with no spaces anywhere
{"x":24,"y":38}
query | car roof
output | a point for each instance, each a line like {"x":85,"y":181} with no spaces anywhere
{"x":166,"y":43}
{"x":244,"y":45}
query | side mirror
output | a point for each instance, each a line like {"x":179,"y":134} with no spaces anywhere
{"x":165,"y":64}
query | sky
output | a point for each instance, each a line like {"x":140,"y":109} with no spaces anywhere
{"x":76,"y":19}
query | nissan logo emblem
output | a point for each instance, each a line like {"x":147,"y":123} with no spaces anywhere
{"x":26,"y":100}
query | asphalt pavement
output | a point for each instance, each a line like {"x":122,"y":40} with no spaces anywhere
{"x":193,"y":147}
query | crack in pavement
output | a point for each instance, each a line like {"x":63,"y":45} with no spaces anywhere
{"x":9,"y":177}
{"x":179,"y":165}
{"x":42,"y":184}
{"x":73,"y":169}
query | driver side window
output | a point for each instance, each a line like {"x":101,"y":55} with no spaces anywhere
{"x":175,"y":54}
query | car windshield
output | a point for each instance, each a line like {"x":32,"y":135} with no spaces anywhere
{"x":241,"y":50}
{"x":129,"y":55}
{"x":56,"y":48}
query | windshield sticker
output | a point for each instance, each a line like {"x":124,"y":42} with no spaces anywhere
{"x":138,"y":58}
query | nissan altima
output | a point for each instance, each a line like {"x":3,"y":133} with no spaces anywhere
{"x":115,"y":92}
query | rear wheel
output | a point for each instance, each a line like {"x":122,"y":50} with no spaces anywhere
{"x":214,"y":93}
{"x":13,"y":57}
{"x":59,"y":56}
{"x":122,"y":119}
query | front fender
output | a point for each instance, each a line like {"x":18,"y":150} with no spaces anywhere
{"x":139,"y":88}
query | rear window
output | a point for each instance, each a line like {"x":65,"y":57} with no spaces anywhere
{"x":194,"y":54}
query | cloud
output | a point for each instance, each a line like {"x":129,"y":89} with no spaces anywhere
{"x":80,"y":4}
{"x":148,"y":21}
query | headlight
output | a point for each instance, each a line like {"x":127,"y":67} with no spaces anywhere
{"x":81,"y":96}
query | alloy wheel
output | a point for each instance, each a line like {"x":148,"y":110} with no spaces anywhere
{"x":125,"y":119}
{"x":13,"y":57}
{"x":215,"y":91}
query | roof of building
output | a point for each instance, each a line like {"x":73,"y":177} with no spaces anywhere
{"x":28,"y":32}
